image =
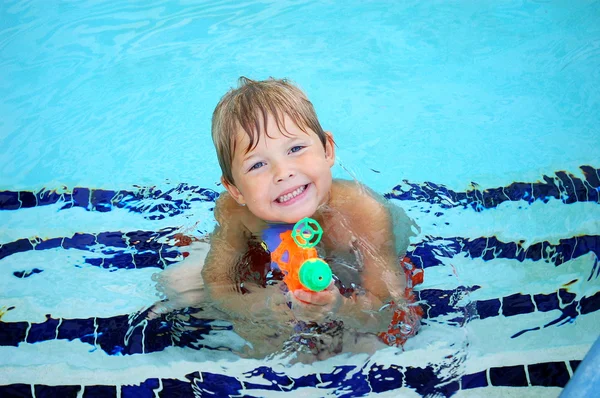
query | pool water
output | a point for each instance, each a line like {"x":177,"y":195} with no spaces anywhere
{"x":480,"y":120}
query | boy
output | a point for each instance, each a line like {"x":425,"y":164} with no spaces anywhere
{"x":276,"y":168}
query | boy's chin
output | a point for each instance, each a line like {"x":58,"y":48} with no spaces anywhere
{"x":293,"y":216}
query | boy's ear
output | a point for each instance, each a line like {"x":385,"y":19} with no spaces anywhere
{"x":329,"y":148}
{"x":233,"y":191}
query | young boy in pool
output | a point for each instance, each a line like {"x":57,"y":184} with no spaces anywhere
{"x":276,"y":162}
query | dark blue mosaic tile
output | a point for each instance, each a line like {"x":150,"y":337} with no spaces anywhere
{"x":144,"y":390}
{"x":306,"y":381}
{"x":336,"y":378}
{"x":475,"y":380}
{"x":176,"y":388}
{"x":549,"y":374}
{"x":590,"y":304}
{"x":488,"y":308}
{"x":56,"y":391}
{"x":112,"y":239}
{"x":279,"y":380}
{"x":49,"y":244}
{"x":145,"y":260}
{"x":121,"y":261}
{"x":45,"y":198}
{"x":43,"y":331}
{"x":28,"y":273}
{"x":437,"y":301}
{"x":427,"y":383}
{"x":79,"y":241}
{"x":71,"y":329}
{"x":101,"y":200}
{"x":28,"y":199}
{"x":100,"y":392}
{"x":81,"y":197}
{"x":517,"y":304}
{"x":97,"y":262}
{"x":12,"y":333}
{"x":565,"y":296}
{"x":216,"y":384}
{"x":111,"y":331}
{"x":18,"y":246}
{"x":156,"y":336}
{"x":591,"y":175}
{"x":9,"y":200}
{"x":546,"y":302}
{"x":509,"y":376}
{"x":425,"y":254}
{"x":565,"y":187}
{"x":574,"y":365}
{"x":385,"y":379}
{"x":16,"y":391}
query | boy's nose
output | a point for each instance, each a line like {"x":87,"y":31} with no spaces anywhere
{"x":283,"y":172}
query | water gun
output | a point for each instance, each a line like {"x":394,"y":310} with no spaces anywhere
{"x":296,"y":257}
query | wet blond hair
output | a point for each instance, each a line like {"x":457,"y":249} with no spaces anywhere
{"x":249,"y":105}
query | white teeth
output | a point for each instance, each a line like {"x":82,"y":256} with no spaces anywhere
{"x":291,"y":195}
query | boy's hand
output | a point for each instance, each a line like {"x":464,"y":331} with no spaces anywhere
{"x":314,"y":306}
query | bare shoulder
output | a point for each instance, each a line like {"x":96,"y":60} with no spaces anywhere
{"x":354,"y":198}
{"x":229,"y":213}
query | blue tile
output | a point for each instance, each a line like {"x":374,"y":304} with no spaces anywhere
{"x":309,"y":380}
{"x":144,"y":390}
{"x":574,"y":365}
{"x":147,"y":260}
{"x":509,"y":376}
{"x":27,"y":273}
{"x":176,"y":388}
{"x":591,"y":175}
{"x":28,"y":199}
{"x":488,"y":308}
{"x":101,"y":199}
{"x":517,"y":304}
{"x":546,"y":302}
{"x":475,"y":380}
{"x":45,"y":198}
{"x":71,"y":329}
{"x":79,"y":241}
{"x":9,"y":200}
{"x":49,"y":244}
{"x":590,"y":304}
{"x":549,"y":374}
{"x":16,"y":391}
{"x":12,"y":333}
{"x":18,"y":246}
{"x":100,"y":392}
{"x":565,"y":296}
{"x":277,"y":380}
{"x":81,"y":197}
{"x":43,"y":331}
{"x":217,"y":385}
{"x":56,"y":391}
{"x":112,"y":239}
{"x":386,"y":379}
{"x":423,"y":380}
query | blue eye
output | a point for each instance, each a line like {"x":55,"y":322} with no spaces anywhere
{"x":296,"y":148}
{"x":256,"y":165}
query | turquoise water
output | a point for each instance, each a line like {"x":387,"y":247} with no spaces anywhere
{"x":100,"y":101}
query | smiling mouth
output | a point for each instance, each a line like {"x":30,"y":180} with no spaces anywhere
{"x":289,"y":196}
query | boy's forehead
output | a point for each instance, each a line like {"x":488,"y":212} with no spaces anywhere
{"x":245,"y":141}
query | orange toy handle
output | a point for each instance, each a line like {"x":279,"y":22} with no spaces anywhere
{"x":302,"y":267}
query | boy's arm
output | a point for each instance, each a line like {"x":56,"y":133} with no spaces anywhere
{"x":228,"y":244}
{"x":373,"y":238}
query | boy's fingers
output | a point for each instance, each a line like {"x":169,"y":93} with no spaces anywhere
{"x":316,"y":298}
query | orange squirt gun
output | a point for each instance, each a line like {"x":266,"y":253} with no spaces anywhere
{"x":295,"y":255}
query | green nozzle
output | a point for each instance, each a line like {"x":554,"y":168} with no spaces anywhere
{"x":315,"y":274}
